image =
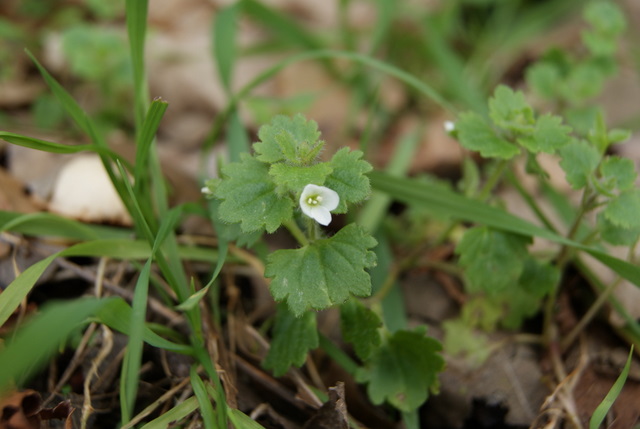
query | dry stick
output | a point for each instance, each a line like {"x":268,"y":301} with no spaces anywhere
{"x":148,"y":410}
{"x":595,"y":307}
{"x":107,"y":345}
{"x":154,"y":304}
{"x":259,"y":266}
{"x":78,"y":355}
{"x":294,"y":372}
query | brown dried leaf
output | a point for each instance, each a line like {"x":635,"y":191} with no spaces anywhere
{"x":13,"y":196}
{"x":20,"y":410}
{"x":333,"y":413}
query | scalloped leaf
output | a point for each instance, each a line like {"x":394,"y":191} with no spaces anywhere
{"x":403,"y":370}
{"x":348,"y":178}
{"x":493,"y":260}
{"x":293,"y":139}
{"x":293,"y":337}
{"x":474,"y":133}
{"x":250,"y":198}
{"x":324,"y":272}
{"x":293,"y":178}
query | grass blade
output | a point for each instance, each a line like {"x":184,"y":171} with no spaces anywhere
{"x":237,"y":138}
{"x":603,"y":408}
{"x":456,"y":206}
{"x":174,"y":415}
{"x":452,"y":66}
{"x":116,"y":314}
{"x":242,"y":421}
{"x":72,"y":108}
{"x":146,"y":137}
{"x":136,"y":13}
{"x":46,"y":146}
{"x":133,"y":356}
{"x":375,"y":209}
{"x":13,"y":295}
{"x":46,"y":224}
{"x":130,"y":375}
{"x":206,"y":409}
{"x":369,"y":61}
{"x":225,"y":50}
{"x":283,"y":27}
{"x":86,"y":125}
{"x":40,"y":338}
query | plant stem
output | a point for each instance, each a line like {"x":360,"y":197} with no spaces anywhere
{"x":603,"y":297}
{"x":296,"y":232}
{"x":312,"y":229}
{"x":565,"y":254}
{"x":531,"y":202}
{"x":493,"y":179}
{"x":336,"y":353}
{"x":589,"y":315}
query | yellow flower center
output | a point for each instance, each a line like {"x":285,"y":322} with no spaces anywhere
{"x":314,"y":200}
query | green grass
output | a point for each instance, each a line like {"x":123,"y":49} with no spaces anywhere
{"x":453,"y":71}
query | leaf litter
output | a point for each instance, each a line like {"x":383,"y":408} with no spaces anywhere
{"x":510,"y":379}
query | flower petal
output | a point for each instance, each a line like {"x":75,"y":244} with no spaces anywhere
{"x":321,"y":215}
{"x":317,"y":203}
{"x":330,"y":198}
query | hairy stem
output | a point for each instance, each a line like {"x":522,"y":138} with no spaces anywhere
{"x":296,"y":232}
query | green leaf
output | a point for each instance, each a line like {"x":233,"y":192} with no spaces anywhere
{"x":360,"y":327}
{"x":224,"y":31}
{"x":455,"y":206}
{"x":293,"y":337}
{"x":41,"y":337}
{"x":548,"y":136}
{"x":544,"y":78}
{"x":47,"y":146}
{"x":348,"y":177}
{"x":493,"y":260}
{"x":618,"y":173}
{"x":293,"y":178}
{"x":518,"y":305}
{"x":324,"y":272}
{"x":538,"y":278}
{"x":132,"y":361}
{"x":194,"y":299}
{"x":616,"y":235}
{"x":585,"y":81}
{"x":294,"y":139}
{"x":249,"y":196}
{"x":403,"y":370}
{"x":623,"y":210}
{"x":460,"y":339}
{"x":204,"y":402}
{"x":174,"y":415}
{"x":618,"y":135}
{"x":602,"y":409}
{"x":116,"y":314}
{"x":474,"y":133}
{"x":579,"y":160}
{"x":136,"y":16}
{"x":509,"y":110}
{"x":242,"y":421}
{"x":605,"y":17}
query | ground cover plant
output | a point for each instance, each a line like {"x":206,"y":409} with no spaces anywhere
{"x":312,"y":269}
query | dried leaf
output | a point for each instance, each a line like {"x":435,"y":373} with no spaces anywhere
{"x":19,"y":410}
{"x":333,"y":413}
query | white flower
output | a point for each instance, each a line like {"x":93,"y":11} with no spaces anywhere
{"x":317,"y":203}
{"x":449,"y":126}
{"x":206,"y":191}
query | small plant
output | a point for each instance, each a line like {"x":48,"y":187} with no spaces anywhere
{"x":285,"y":183}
